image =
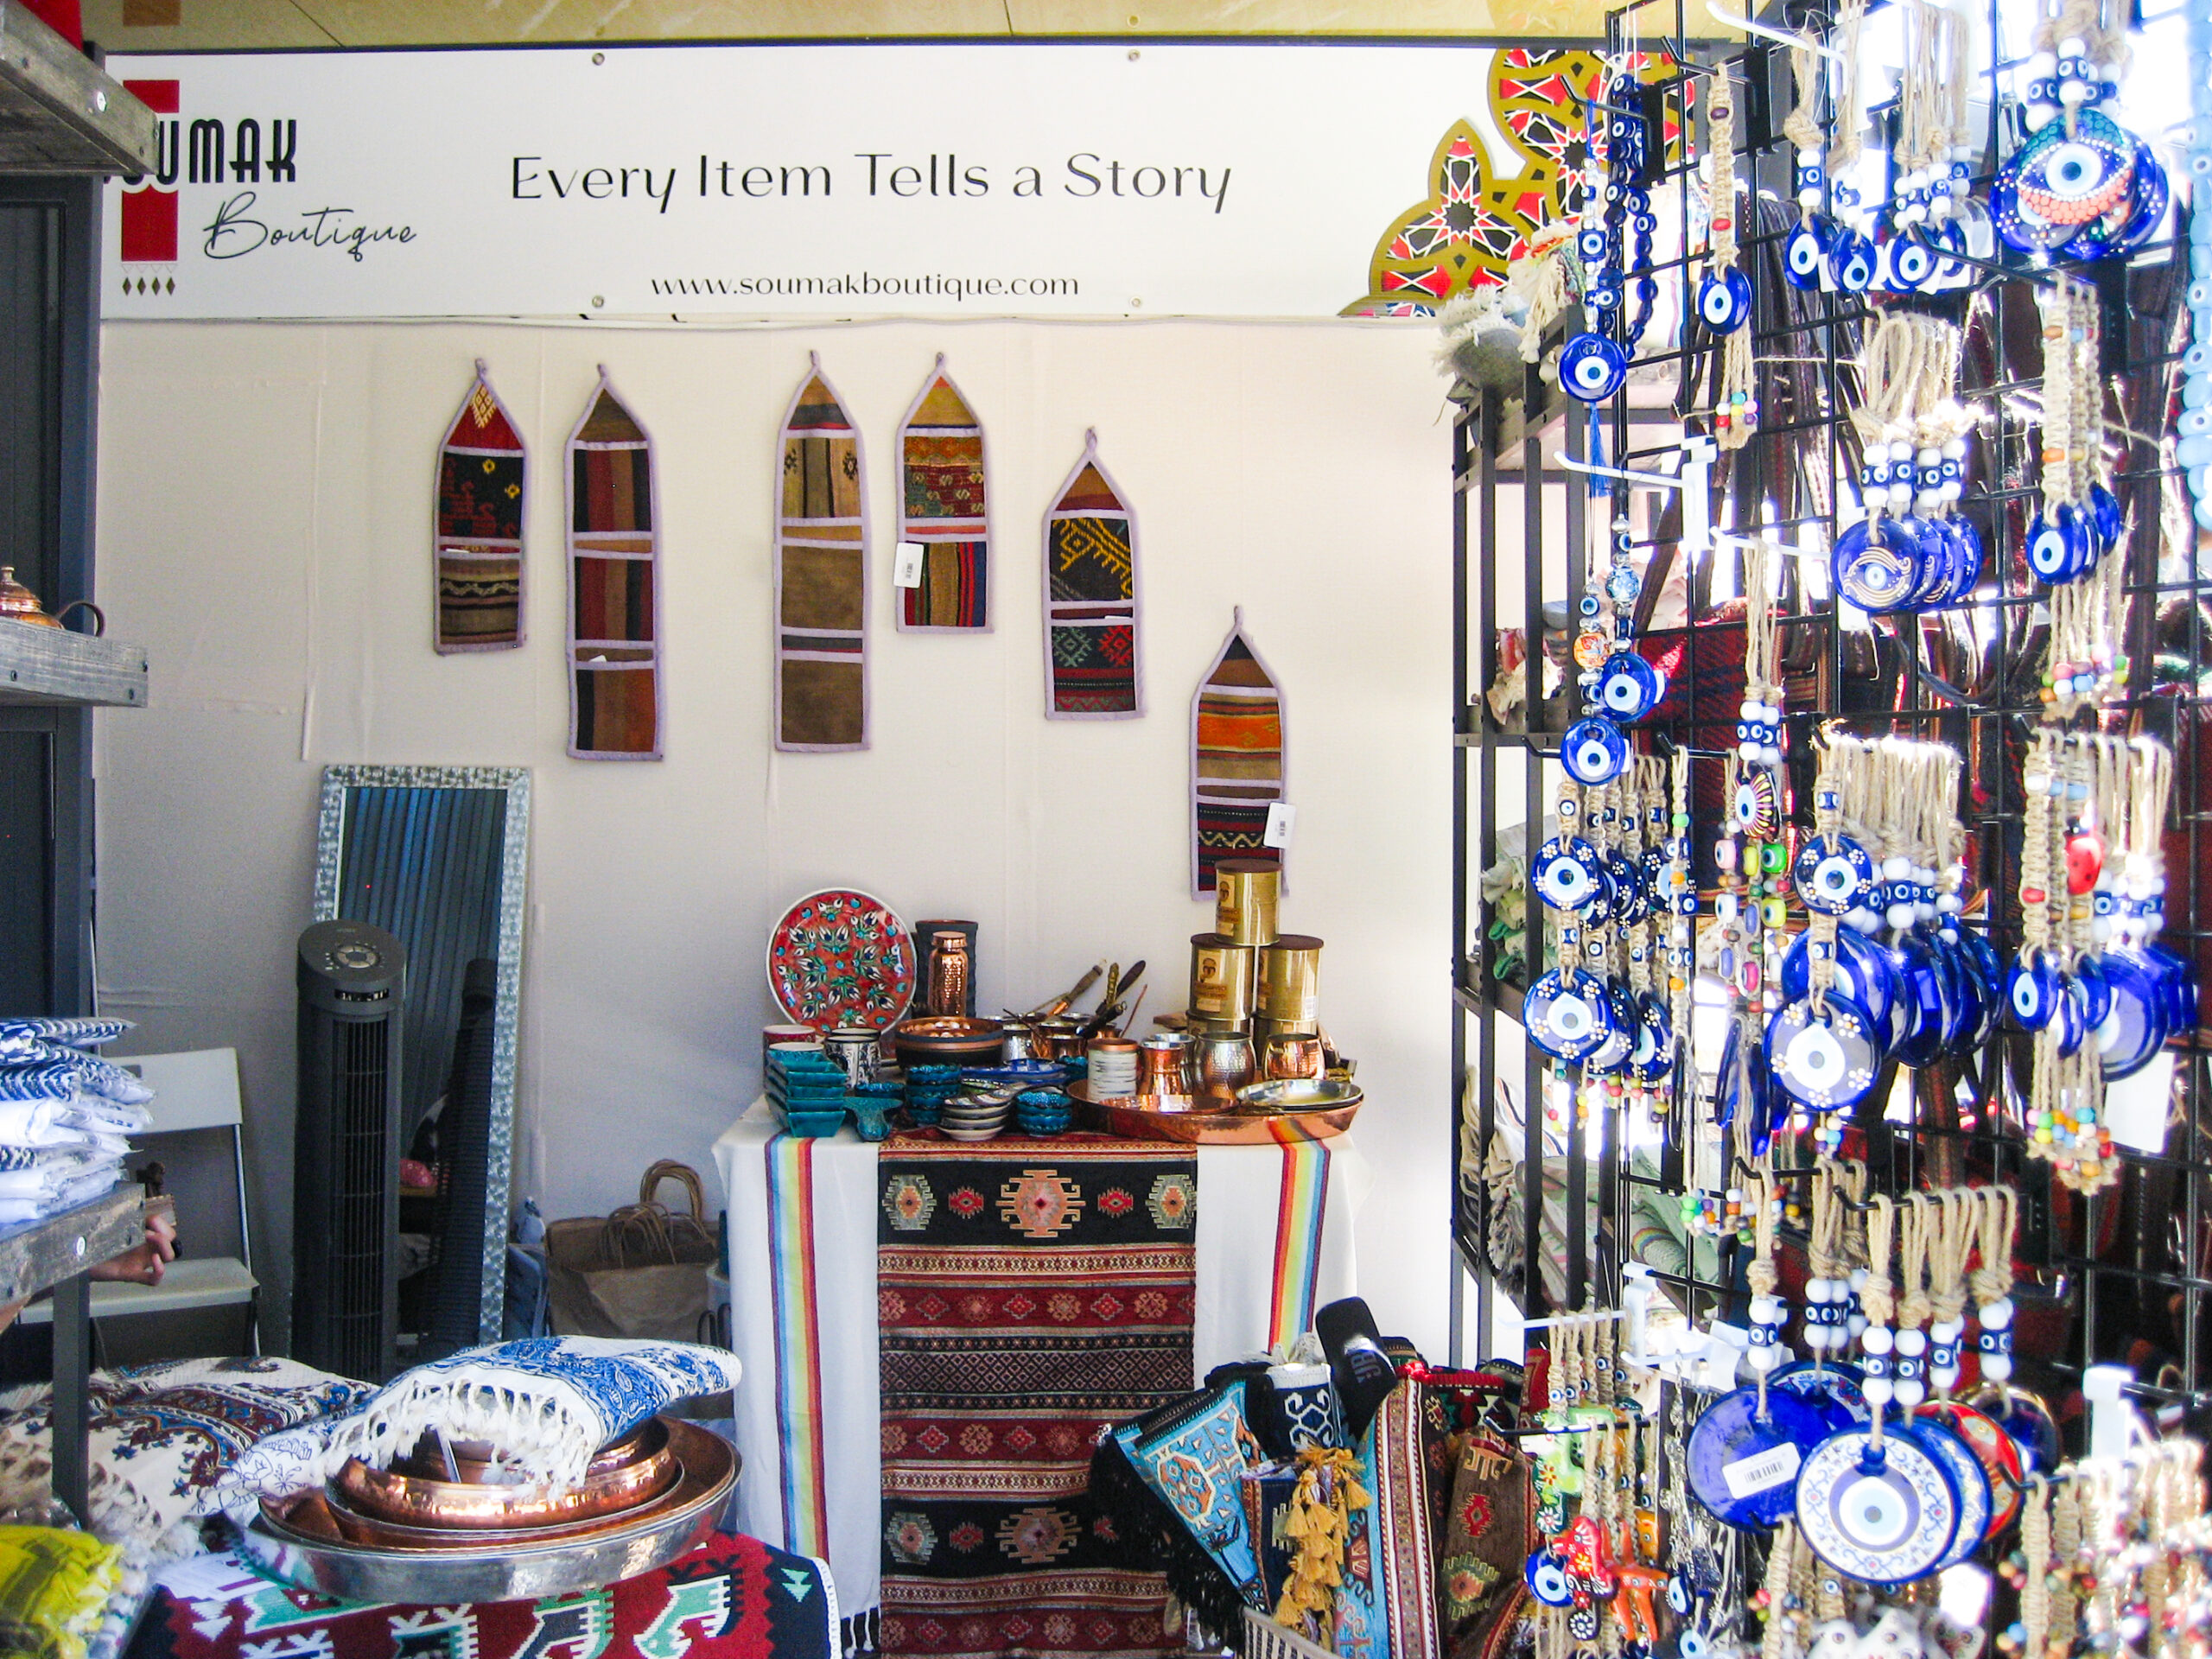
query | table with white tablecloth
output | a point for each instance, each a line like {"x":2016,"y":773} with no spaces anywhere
{"x":1273,"y":1242}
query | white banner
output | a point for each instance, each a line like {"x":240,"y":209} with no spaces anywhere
{"x":1246,"y":180}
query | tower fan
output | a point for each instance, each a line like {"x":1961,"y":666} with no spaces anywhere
{"x":352,"y":982}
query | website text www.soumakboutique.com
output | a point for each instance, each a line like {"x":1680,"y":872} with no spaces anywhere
{"x":866,"y":285}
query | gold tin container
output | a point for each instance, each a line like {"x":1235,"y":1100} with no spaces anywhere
{"x":1223,"y":978}
{"x":1246,"y":892}
{"x":1290,"y":982}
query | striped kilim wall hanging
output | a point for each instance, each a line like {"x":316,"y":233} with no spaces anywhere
{"x":1237,"y":758}
{"x":821,"y":575}
{"x":478,"y":544}
{"x":614,"y":691}
{"x":942,"y":506}
{"x":1093,"y":660}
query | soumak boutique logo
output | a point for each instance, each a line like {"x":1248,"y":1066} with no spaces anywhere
{"x":203,"y":151}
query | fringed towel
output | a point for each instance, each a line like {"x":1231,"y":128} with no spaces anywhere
{"x":821,"y":575}
{"x":1237,"y":758}
{"x":478,"y":545}
{"x":545,"y":1403}
{"x":615,"y":693}
{"x":942,"y":505}
{"x":1093,"y":668}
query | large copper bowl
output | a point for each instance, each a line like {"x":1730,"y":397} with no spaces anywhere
{"x":623,"y":1475}
{"x":947,"y":1039}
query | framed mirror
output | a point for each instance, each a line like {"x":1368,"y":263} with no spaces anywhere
{"x":437,"y":857}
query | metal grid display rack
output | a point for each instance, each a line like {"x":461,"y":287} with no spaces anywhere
{"x":2127,"y":1274}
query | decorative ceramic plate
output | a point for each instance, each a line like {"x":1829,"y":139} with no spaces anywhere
{"x":842,"y":957}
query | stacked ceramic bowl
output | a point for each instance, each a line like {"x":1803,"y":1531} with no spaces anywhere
{"x":1043,"y":1112}
{"x":979,"y":1116}
{"x":928,"y":1087}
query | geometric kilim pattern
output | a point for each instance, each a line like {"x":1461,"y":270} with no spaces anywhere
{"x":478,"y":540}
{"x":1482,"y":209}
{"x":1092,"y":670}
{"x":1042,"y":1299}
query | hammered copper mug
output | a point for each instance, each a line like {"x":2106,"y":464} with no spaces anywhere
{"x":1291,"y":1056}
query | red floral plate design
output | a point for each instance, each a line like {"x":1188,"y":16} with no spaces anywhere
{"x":842,"y":957}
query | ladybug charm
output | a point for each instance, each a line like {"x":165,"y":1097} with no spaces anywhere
{"x":2085,"y":859}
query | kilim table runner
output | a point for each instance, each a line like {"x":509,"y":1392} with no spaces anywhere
{"x":478,"y":541}
{"x":1237,"y":758}
{"x":942,"y":506}
{"x":615,"y":690}
{"x":1093,"y":666}
{"x":1029,"y":1295}
{"x":821,"y":574}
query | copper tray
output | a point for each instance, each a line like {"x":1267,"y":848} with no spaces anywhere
{"x":298,"y":1541}
{"x":630,"y":1472}
{"x":1204,"y":1123}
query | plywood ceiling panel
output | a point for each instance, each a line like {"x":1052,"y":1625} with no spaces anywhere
{"x":132,"y":25}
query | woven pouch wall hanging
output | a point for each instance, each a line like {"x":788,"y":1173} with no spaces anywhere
{"x":614,"y":689}
{"x":1093,"y":661}
{"x":1237,"y":758}
{"x":943,"y":505}
{"x":821,"y":575}
{"x":477,"y":546}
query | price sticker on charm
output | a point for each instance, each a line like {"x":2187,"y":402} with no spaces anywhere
{"x":1281,"y":816}
{"x":1747,"y":1476}
{"x":907,"y":569}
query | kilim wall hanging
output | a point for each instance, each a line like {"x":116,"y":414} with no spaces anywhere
{"x":1237,"y":758}
{"x":1093,"y":661}
{"x":614,"y":691}
{"x":942,"y":505}
{"x":477,"y":547}
{"x":821,"y":575}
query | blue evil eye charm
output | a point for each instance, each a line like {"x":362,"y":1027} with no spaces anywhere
{"x":1546,"y":1578}
{"x":1912,"y":263}
{"x":1876,"y":565}
{"x":1824,"y":1060}
{"x":1589,"y":247}
{"x":1570,"y":875}
{"x":1724,"y":300}
{"x":1568,"y":1014}
{"x":1852,"y":257}
{"x":1630,"y":687}
{"x":1834,"y":874}
{"x":2105,"y":520}
{"x":2062,"y":181}
{"x":1802,"y":255}
{"x":1595,"y":752}
{"x":2034,"y":992}
{"x":1592,"y":368}
{"x":2059,"y":548}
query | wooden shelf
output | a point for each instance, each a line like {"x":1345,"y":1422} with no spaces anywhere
{"x":58,"y":112}
{"x":36,"y":1255}
{"x":56,"y":668}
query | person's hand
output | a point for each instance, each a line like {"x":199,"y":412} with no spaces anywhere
{"x":144,"y":1265}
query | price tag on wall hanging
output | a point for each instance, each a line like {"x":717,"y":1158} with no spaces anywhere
{"x":906,"y":570}
{"x":1280,"y":815}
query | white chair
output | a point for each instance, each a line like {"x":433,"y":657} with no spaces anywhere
{"x":195,"y":1090}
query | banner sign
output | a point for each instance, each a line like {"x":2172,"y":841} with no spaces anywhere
{"x":1251,"y":179}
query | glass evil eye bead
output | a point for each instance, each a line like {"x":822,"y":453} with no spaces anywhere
{"x":1803,"y":254}
{"x":1852,"y":258}
{"x":1834,"y":874}
{"x":1912,"y":263}
{"x":1592,"y":368}
{"x":1570,"y":874}
{"x":2062,"y":181}
{"x":1724,"y":300}
{"x":1589,"y":247}
{"x":1595,"y":752}
{"x":2059,"y":544}
{"x":1568,"y":1014}
{"x":1876,"y":564}
{"x":2034,"y":991}
{"x":1630,"y":688}
{"x":1825,"y":1061}
{"x":2106,"y":523}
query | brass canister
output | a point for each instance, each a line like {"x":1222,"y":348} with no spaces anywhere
{"x":1245,"y":894}
{"x":1290,"y":982}
{"x":1223,"y":976}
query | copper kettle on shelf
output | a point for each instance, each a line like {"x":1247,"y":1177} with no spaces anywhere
{"x":19,"y":604}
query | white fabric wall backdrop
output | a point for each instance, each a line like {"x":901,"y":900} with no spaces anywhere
{"x":264,"y":527}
